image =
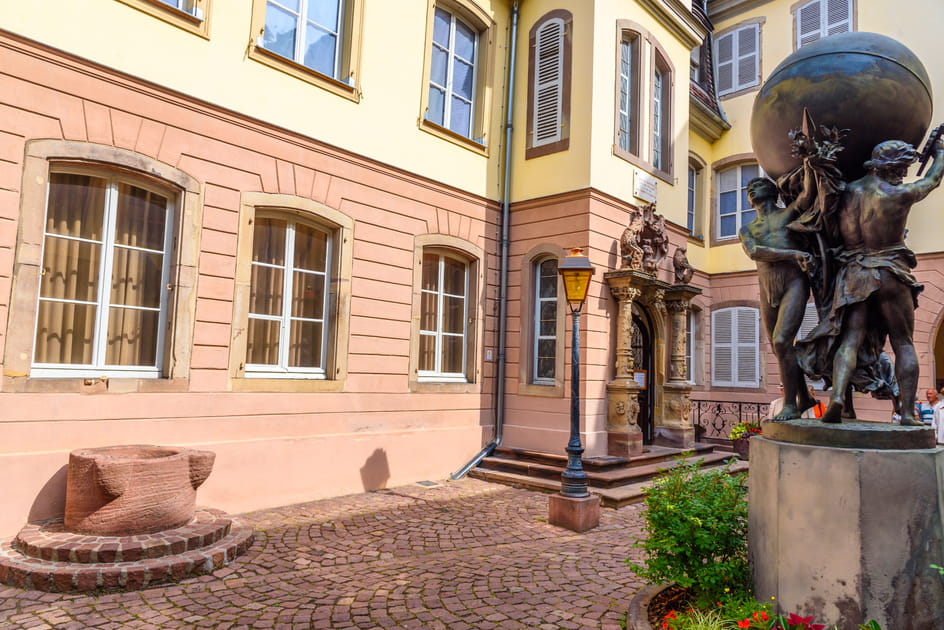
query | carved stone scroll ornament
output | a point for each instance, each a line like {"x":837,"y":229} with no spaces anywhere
{"x":683,"y":269}
{"x":644,"y":243}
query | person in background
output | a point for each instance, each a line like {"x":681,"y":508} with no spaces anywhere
{"x":937,"y":421}
{"x":817,"y":410}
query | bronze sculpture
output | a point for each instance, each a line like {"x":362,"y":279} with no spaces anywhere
{"x":782,"y":262}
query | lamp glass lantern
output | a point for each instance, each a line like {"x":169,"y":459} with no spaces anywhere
{"x":576,"y":272}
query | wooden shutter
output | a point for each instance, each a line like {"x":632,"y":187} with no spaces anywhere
{"x":838,"y":16}
{"x":724,"y":57}
{"x":737,"y":59}
{"x":809,"y":23}
{"x":549,"y":81}
{"x":722,"y":356}
{"x":747,"y":348}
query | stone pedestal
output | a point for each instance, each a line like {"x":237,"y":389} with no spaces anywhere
{"x":847,"y":534}
{"x":577,"y":515}
{"x":676,"y":429}
{"x":623,"y":435}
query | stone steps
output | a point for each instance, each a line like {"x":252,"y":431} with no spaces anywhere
{"x":44,"y":557}
{"x":618,"y":481}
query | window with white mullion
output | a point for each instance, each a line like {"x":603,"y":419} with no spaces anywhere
{"x":544,"y":348}
{"x":657,"y":119}
{"x":734,"y":209}
{"x":735,"y":357}
{"x":453,"y":74}
{"x":626,"y":93}
{"x":737,"y":60}
{"x":187,"y":6}
{"x":692,"y":199}
{"x":288,"y":322}
{"x":822,"y":18}
{"x":103,"y":298}
{"x":306,"y":31}
{"x":443,"y":319}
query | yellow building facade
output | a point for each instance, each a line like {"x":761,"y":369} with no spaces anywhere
{"x":320,"y":237}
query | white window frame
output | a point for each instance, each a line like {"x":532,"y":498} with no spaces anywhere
{"x":741,"y":209}
{"x":690,"y":345}
{"x":301,"y":33}
{"x":98,"y":367}
{"x":282,"y":369}
{"x":742,"y":348}
{"x":548,"y":82}
{"x":536,"y":323}
{"x":659,"y":117}
{"x":629,"y":69}
{"x":196,"y":11}
{"x":437,"y":374}
{"x":748,"y":61}
{"x":819,"y":9}
{"x":691,"y":214}
{"x":448,"y":88}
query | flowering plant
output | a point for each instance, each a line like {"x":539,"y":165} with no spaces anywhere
{"x":745,"y":429}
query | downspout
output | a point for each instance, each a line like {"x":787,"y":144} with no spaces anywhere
{"x":503,"y":261}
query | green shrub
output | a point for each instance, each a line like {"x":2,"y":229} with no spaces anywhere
{"x":696,"y":531}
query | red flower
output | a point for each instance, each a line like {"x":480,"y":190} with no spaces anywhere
{"x":672,"y":615}
{"x":744,"y":623}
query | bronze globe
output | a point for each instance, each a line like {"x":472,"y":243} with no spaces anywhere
{"x":865,"y":82}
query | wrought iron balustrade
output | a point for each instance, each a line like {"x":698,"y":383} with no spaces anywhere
{"x":716,"y":418}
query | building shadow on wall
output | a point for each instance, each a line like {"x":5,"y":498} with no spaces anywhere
{"x":376,"y":471}
{"x":50,"y":503}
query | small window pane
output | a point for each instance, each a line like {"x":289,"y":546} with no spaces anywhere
{"x":324,"y":12}
{"x":320,"y":50}
{"x":439,"y":66}
{"x":265,"y":295}
{"x":311,"y":248}
{"x":427,"y":358}
{"x":76,"y":205}
{"x":307,"y":295}
{"x":461,"y":116}
{"x":454,"y":277}
{"x":268,"y":241}
{"x":136,"y":278}
{"x":64,"y":333}
{"x":728,"y":203}
{"x":436,"y":110}
{"x":430,"y":272}
{"x":132,"y":337}
{"x":305,"y":344}
{"x":140,"y":218}
{"x":454,"y":314}
{"x":263,"y":342}
{"x":441,"y":28}
{"x":748,"y":172}
{"x":70,"y":270}
{"x":280,"y":28}
{"x":428,"y":311}
{"x":462,"y":79}
{"x":465,"y":41}
{"x":728,"y":225}
{"x":546,"y":366}
{"x":452,"y":354}
{"x":727,"y":180}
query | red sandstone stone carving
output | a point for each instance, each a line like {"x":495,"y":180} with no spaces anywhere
{"x":127,"y":490}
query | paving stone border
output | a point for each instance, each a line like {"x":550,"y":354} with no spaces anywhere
{"x":43,"y":557}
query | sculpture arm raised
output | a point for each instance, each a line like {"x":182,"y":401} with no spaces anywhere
{"x":916,"y":191}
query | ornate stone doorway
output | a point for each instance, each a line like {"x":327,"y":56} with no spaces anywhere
{"x":643,"y":372}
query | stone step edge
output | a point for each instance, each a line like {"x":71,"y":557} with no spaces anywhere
{"x":28,"y":573}
{"x":208,"y":527}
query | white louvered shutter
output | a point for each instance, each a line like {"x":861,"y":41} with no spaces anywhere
{"x":549,"y":80}
{"x":822,"y":18}
{"x":747,"y":348}
{"x":724,"y":58}
{"x":810,"y":319}
{"x":722,"y":359}
{"x":738,"y":59}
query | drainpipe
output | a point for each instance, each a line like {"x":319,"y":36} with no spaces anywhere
{"x":503,"y":263}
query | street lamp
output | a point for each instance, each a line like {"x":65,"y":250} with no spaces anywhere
{"x":576,"y":272}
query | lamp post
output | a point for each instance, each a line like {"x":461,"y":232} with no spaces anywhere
{"x":576,"y":272}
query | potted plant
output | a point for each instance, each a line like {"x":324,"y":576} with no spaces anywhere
{"x":740,"y":434}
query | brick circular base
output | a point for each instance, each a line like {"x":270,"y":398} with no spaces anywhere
{"x":44,"y":557}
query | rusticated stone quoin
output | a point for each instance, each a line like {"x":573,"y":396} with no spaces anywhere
{"x":127,"y":490}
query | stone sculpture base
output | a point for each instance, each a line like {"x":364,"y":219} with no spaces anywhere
{"x":848,"y":534}
{"x":578,"y":515}
{"x":45,"y":557}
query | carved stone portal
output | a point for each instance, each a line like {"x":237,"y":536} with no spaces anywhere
{"x":666,"y":306}
{"x":644,"y":243}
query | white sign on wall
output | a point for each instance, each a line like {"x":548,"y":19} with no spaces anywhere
{"x":645,"y":186}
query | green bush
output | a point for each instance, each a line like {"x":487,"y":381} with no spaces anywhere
{"x":696,"y":531}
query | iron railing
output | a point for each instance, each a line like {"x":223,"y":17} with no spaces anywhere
{"x":716,"y":418}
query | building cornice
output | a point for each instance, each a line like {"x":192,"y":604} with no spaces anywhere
{"x":703,"y":121}
{"x":720,"y":10}
{"x":678,"y":18}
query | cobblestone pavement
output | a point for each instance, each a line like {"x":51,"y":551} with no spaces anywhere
{"x":460,"y":555}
